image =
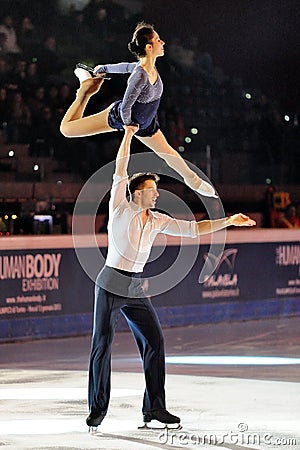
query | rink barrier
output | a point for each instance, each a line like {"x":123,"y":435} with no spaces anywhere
{"x":262,"y":280}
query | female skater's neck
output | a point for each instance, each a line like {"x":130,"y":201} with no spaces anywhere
{"x":147,"y":62}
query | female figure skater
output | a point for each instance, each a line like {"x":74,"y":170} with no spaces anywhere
{"x":137,"y":108}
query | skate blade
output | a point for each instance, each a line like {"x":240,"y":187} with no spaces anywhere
{"x":93,"y":430}
{"x":91,"y":71}
{"x":103,"y":76}
{"x":168,"y":426}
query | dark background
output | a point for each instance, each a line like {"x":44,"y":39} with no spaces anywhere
{"x":257,"y":40}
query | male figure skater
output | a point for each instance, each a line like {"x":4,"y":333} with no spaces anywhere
{"x":132,"y":227}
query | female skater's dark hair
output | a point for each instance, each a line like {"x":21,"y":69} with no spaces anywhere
{"x":142,"y":36}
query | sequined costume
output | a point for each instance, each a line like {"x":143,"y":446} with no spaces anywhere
{"x":140,"y":102}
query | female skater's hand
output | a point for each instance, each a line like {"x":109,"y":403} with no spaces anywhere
{"x":241,"y":220}
{"x":100,"y":74}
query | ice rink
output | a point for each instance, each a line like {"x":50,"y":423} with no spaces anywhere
{"x":234,"y":385}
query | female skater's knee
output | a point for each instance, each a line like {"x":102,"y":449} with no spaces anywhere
{"x":65,"y":130}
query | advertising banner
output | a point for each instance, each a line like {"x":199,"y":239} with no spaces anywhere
{"x":43,"y":282}
{"x":244,"y":272}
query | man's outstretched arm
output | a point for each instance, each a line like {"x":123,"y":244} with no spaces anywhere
{"x":123,"y":154}
{"x":238,"y":220}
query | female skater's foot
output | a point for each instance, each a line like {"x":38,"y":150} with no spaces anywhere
{"x":206,"y":189}
{"x":82,"y":74}
{"x":88,"y":85}
{"x":200,"y":186}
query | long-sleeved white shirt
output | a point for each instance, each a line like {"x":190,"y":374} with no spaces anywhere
{"x":129,"y":243}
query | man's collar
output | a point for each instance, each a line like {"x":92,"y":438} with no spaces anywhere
{"x":137,"y":208}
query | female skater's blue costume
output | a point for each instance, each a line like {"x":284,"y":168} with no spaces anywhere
{"x":140,"y":102}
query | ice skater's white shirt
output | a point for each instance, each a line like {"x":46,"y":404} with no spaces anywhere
{"x":129,"y":243}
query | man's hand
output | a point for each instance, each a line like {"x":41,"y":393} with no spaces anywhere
{"x":241,"y":220}
{"x":131,"y":129}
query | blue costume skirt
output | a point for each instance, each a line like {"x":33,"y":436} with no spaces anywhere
{"x":140,"y":114}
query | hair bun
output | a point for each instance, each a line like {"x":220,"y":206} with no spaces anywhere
{"x":141,"y":37}
{"x":132,"y":46}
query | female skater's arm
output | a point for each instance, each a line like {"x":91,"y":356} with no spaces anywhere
{"x":124,"y":67}
{"x":136,"y":83}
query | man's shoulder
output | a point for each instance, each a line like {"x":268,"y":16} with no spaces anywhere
{"x":157,"y":215}
{"x":118,"y":189}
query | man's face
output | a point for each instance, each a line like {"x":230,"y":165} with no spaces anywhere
{"x":147,"y":194}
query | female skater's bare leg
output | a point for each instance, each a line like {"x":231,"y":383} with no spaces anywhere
{"x":73,"y":123}
{"x":160,"y":146}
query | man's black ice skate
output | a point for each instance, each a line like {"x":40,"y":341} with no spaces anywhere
{"x":162,"y":416}
{"x":93,"y":420}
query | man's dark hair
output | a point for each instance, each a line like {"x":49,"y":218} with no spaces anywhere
{"x":137,"y":180}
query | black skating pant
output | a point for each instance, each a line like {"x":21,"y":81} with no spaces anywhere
{"x":144,"y":324}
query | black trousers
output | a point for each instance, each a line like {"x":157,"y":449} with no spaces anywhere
{"x":117,"y":291}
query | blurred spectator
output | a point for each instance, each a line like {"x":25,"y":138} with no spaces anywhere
{"x":33,"y":80}
{"x":3,"y":228}
{"x":43,"y":134}
{"x":101,"y":24}
{"x":4,"y":72}
{"x":10,"y":46}
{"x":52,"y":96}
{"x":3,"y":107}
{"x":270,"y":214}
{"x":3,"y":40}
{"x":79,"y":32}
{"x":298,"y":210}
{"x":28,"y":38}
{"x":176,"y":130}
{"x":102,"y":33}
{"x":37,"y":101}
{"x":65,"y":96}
{"x":289,"y":219}
{"x":104,"y":18}
{"x":19,"y":120}
{"x":50,"y":62}
{"x":117,"y":14}
{"x":90,"y":10}
{"x":181,"y":56}
{"x":18,"y":76}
